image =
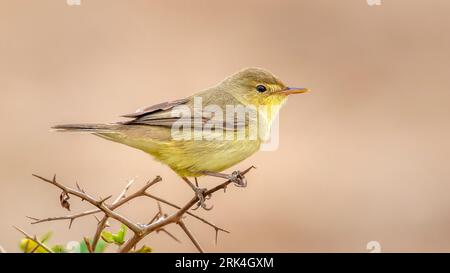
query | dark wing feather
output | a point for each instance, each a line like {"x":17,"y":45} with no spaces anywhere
{"x":156,"y":115}
{"x":160,"y":114}
{"x":156,"y":108}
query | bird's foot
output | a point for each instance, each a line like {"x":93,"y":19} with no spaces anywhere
{"x":238,"y":179}
{"x":200,"y":193}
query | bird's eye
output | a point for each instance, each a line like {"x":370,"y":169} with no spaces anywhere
{"x":261,"y":88}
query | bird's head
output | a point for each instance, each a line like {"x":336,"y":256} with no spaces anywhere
{"x":259,"y":87}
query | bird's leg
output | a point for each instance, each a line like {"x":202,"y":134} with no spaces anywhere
{"x":200,"y":192}
{"x":196,"y":184}
{"x":236,"y":177}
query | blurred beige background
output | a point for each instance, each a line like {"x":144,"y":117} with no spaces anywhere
{"x":364,"y":156}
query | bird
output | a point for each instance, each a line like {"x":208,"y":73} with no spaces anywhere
{"x":190,"y":137}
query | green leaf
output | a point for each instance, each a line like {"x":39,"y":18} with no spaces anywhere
{"x":59,"y":249}
{"x":101,"y":246}
{"x":119,"y":238}
{"x":144,"y":249}
{"x":107,"y":237}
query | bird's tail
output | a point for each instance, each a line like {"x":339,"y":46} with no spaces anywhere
{"x":88,"y":128}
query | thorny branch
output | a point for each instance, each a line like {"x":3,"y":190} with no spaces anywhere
{"x":157,"y":223}
{"x":34,"y":238}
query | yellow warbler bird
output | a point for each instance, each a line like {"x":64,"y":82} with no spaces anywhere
{"x":160,"y":130}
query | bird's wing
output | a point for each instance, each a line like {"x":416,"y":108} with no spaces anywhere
{"x":161,"y":114}
{"x":157,"y":115}
{"x":156,"y":108}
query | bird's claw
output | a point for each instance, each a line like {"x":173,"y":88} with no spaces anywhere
{"x":238,"y":179}
{"x":200,"y":193}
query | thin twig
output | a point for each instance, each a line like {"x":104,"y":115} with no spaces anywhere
{"x":98,"y":203}
{"x":35,"y":248}
{"x":122,"y":194}
{"x":98,"y":232}
{"x":117,"y":203}
{"x":174,"y":218}
{"x":187,"y":212}
{"x":156,"y":217}
{"x":191,"y":236}
{"x":103,"y":223}
{"x":157,"y":224}
{"x":169,"y":234}
{"x":71,"y":217}
{"x":88,"y":245}
{"x":120,"y":201}
{"x":29,"y":237}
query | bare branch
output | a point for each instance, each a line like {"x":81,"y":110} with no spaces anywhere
{"x":122,"y":194}
{"x":191,"y":236}
{"x":174,"y":218}
{"x":120,"y":201}
{"x":88,"y":245}
{"x":157,"y":224}
{"x":156,"y":217}
{"x":100,"y":204}
{"x":71,"y":217}
{"x":168,"y":233}
{"x":187,"y":212}
{"x":132,"y":242}
{"x":29,"y":237}
{"x":98,"y":232}
{"x":138,"y":193}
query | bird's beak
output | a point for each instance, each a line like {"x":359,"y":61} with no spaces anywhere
{"x":293,"y":90}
